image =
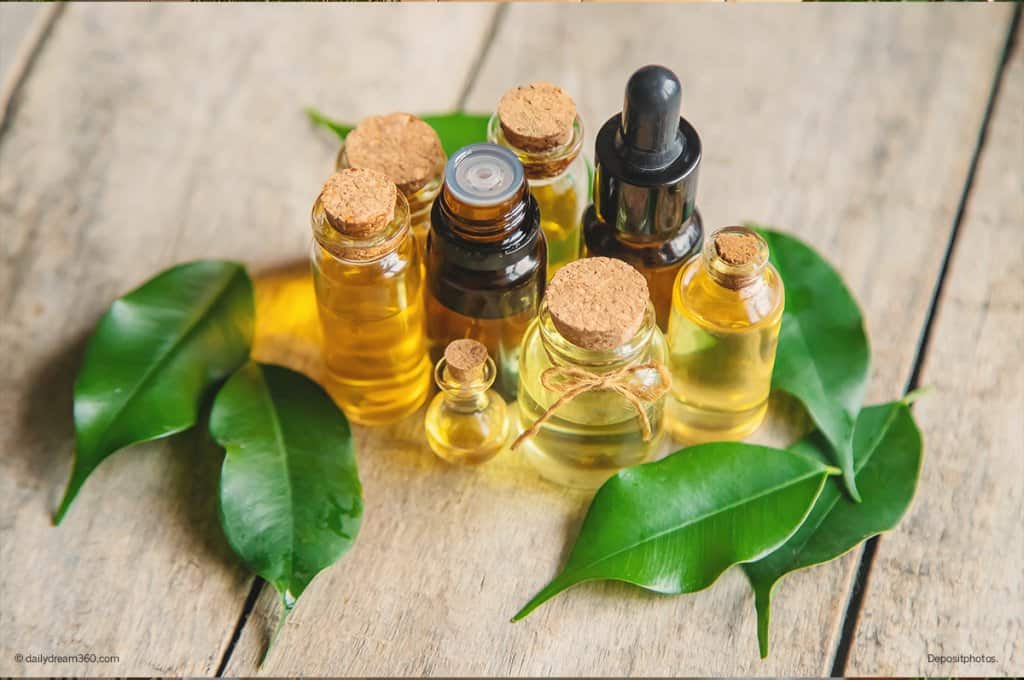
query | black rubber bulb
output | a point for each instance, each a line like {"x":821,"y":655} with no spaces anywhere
{"x":649,"y":137}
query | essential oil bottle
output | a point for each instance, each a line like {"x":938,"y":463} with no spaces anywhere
{"x":409,"y":152}
{"x":486,"y":258}
{"x":368,"y":279}
{"x":539,"y":123}
{"x":467,"y":422}
{"x":726,"y":312}
{"x":645,"y":185}
{"x":593,"y":375}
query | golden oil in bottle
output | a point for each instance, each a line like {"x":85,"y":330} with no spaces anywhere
{"x":409,"y":152}
{"x":726,"y":312}
{"x":539,"y":123}
{"x":467,"y":422}
{"x":368,"y":279}
{"x":486,"y":258}
{"x":594,"y":338}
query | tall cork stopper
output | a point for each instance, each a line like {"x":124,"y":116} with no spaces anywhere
{"x":359,"y":203}
{"x":537,"y":117}
{"x":465,"y":359}
{"x":399,"y":145}
{"x":737,"y":248}
{"x":598,"y":302}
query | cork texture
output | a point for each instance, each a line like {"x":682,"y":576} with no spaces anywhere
{"x":465,"y":359}
{"x":597,"y":302}
{"x":537,"y":117}
{"x":736,"y":248}
{"x":399,"y":145}
{"x":358,"y":202}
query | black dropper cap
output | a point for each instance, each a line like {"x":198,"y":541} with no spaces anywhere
{"x":647,"y":159}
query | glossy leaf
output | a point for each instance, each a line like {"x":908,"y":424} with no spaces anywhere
{"x":290,"y":497}
{"x":673,"y":526}
{"x":822,"y":357}
{"x":887,"y":460}
{"x":456,"y":129}
{"x":153,"y":355}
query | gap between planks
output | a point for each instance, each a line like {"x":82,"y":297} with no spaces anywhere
{"x":858,"y":588}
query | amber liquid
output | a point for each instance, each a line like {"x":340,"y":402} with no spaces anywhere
{"x":374,"y":349}
{"x":658,"y":260}
{"x":560,"y":208}
{"x":722,"y":343}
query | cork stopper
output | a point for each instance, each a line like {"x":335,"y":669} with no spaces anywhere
{"x":465,"y":359}
{"x":537,"y":117}
{"x":399,"y":145}
{"x":737,"y":248}
{"x":597,"y":302}
{"x":359,"y":203}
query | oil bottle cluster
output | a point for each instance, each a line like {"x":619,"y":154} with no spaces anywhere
{"x":492,"y":274}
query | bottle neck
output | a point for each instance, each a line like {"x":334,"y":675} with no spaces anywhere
{"x":736,"y":275}
{"x":466,"y":396}
{"x":564,"y":353}
{"x":485,"y":223}
{"x":546,"y":164}
{"x":369,"y":249}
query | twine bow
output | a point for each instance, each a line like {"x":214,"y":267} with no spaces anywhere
{"x":572,"y":382}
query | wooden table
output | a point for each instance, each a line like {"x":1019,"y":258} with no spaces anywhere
{"x":135,"y":137}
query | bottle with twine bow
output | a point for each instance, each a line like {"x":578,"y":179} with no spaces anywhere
{"x":538,"y":122}
{"x":593,"y":375}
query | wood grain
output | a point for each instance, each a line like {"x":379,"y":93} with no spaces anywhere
{"x":146,"y":136}
{"x":850,"y":126}
{"x":948,"y":582}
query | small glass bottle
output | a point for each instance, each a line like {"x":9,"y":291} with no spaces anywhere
{"x":726,"y":312}
{"x":593,"y":375}
{"x":645,"y":185}
{"x":467,"y":422}
{"x":486,"y":258}
{"x":407,"y":150}
{"x":538,"y":122}
{"x":368,"y":280}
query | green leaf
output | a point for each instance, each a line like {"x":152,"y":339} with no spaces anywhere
{"x":673,"y":526}
{"x":290,"y":497}
{"x":153,"y":355}
{"x":456,"y":129}
{"x":887,"y":459}
{"x":822,"y":357}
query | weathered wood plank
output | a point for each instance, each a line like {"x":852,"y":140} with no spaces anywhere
{"x":949,"y":582}
{"x":145,"y":136}
{"x":852,"y":127}
{"x":16,"y":20}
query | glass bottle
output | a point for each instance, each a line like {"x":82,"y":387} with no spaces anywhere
{"x":588,"y":437}
{"x":407,"y":150}
{"x":647,"y":160}
{"x":467,"y":422}
{"x":549,"y":149}
{"x":726,"y":312}
{"x":368,"y":280}
{"x":486,"y":258}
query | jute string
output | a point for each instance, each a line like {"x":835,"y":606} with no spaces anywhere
{"x":571,"y":382}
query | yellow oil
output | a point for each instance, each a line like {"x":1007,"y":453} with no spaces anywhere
{"x":561,"y":203}
{"x":467,"y":422}
{"x":722,"y":342}
{"x":374,"y":349}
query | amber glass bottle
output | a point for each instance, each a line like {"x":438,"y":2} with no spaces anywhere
{"x":645,"y":184}
{"x":726,"y":313}
{"x":486,"y":258}
{"x":368,"y":280}
{"x":539,"y":123}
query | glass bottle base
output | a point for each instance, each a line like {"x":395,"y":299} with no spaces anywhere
{"x":689,"y":424}
{"x":372,"y":404}
{"x":566,"y":473}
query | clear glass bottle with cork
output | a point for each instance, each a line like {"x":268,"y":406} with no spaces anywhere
{"x":467,"y":422}
{"x":539,"y":123}
{"x":409,"y":152}
{"x":593,"y":375}
{"x":368,"y":279}
{"x":486,"y":258}
{"x":726,"y":312}
{"x":645,"y":185}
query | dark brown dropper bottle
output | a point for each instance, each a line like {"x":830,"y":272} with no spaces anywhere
{"x":645,"y":185}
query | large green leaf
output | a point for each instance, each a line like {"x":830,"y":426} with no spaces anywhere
{"x":290,"y":498}
{"x":823,"y":354}
{"x":673,"y":526}
{"x":456,"y":129}
{"x":152,"y":356}
{"x":887,"y":459}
